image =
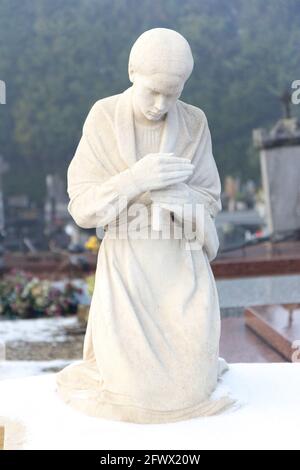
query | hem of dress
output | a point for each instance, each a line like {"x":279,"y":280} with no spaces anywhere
{"x":131,"y":413}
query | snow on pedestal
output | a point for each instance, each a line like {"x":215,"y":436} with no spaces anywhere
{"x":268,"y":416}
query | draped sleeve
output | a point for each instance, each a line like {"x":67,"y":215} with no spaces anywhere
{"x":204,"y":185}
{"x":97,"y":196}
{"x":205,"y":188}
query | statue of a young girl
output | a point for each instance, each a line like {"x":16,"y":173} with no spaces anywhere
{"x":151,"y":351}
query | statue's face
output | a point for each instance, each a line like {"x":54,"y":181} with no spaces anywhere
{"x":154,"y":95}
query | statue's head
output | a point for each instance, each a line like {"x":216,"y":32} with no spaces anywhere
{"x":160,"y":63}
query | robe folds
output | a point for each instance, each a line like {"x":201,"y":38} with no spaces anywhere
{"x":151,"y":349}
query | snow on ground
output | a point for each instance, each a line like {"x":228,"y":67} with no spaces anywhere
{"x":36,"y":330}
{"x":268,"y":416}
{"x":43,"y":329}
{"x":14,"y":369}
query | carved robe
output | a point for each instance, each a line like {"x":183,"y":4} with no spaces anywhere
{"x":151,"y":351}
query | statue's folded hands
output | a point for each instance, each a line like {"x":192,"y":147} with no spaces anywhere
{"x":182,"y":201}
{"x":176,"y":194}
{"x":159,"y":170}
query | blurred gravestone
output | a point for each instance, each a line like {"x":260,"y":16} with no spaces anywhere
{"x":55,"y":199}
{"x":231,"y":189}
{"x":280,"y":167}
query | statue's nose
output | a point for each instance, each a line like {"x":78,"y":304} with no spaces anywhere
{"x":160,"y":103}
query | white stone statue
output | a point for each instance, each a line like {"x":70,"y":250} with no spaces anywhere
{"x":151,"y":350}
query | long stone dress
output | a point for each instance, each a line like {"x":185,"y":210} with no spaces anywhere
{"x":151,"y":350}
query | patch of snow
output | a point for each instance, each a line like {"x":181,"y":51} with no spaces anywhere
{"x":269,"y":417}
{"x":18,"y":369}
{"x":36,"y":330}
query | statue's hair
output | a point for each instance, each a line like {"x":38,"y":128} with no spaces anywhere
{"x":161,"y":50}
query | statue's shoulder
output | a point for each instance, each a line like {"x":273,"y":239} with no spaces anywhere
{"x":194,"y":117}
{"x":192,"y":113}
{"x":101,"y":109}
{"x":106,"y":104}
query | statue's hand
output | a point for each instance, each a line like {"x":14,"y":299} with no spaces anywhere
{"x":159,"y":170}
{"x":177,"y":194}
{"x":173,"y":199}
{"x":176,"y":199}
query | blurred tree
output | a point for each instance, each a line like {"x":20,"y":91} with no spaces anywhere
{"x":58,"y":57}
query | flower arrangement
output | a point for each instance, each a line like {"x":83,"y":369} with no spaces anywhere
{"x":23,"y":295}
{"x":92,"y":244}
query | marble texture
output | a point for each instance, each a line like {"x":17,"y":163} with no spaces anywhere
{"x":151,"y":350}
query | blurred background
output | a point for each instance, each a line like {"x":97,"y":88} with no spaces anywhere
{"x":57,"y":57}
